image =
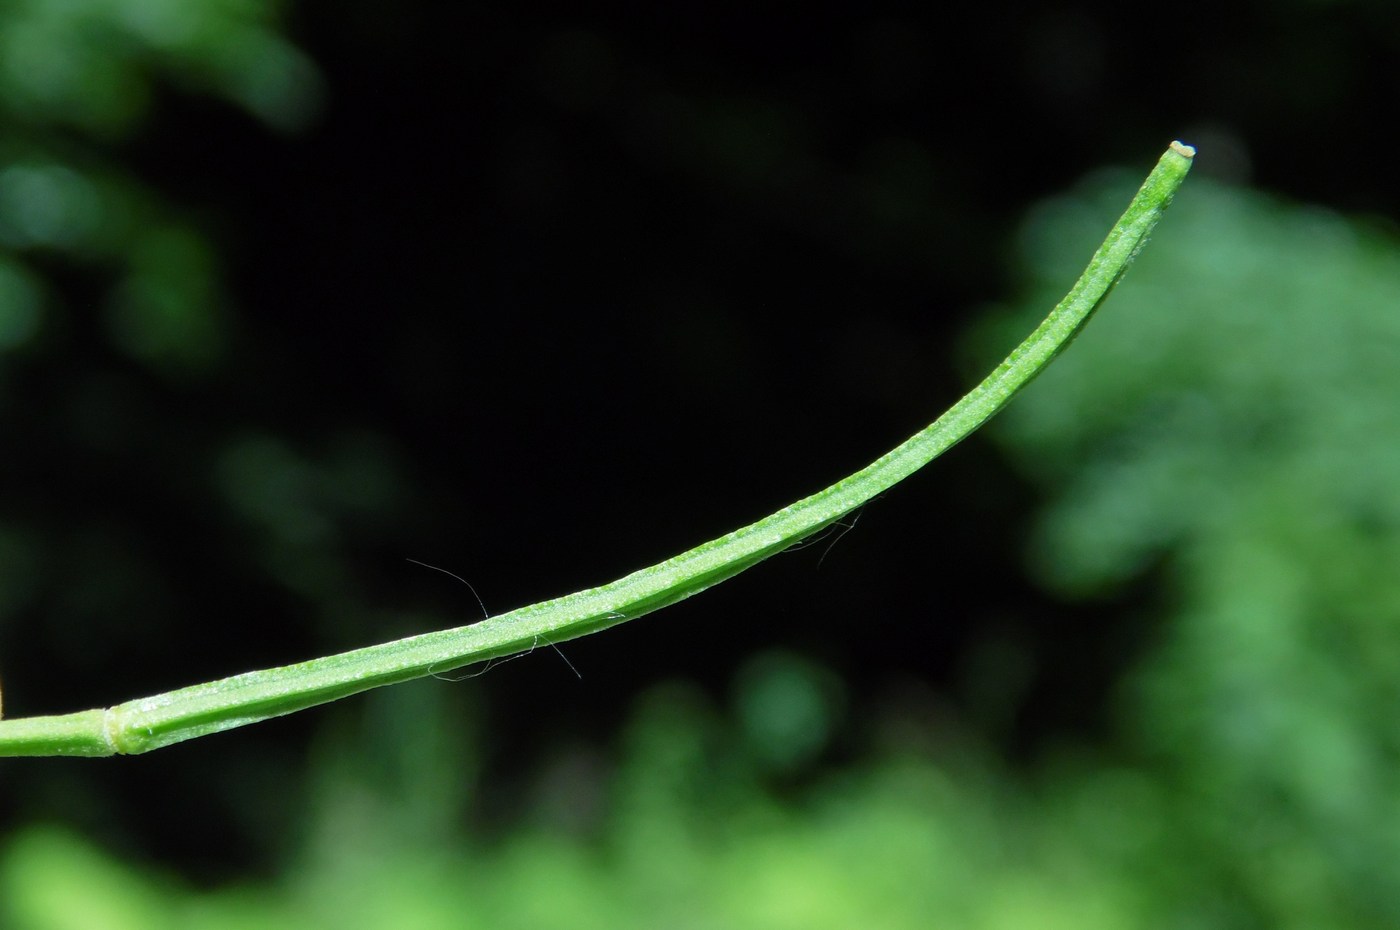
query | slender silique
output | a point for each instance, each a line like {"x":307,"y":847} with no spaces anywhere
{"x":152,"y":722}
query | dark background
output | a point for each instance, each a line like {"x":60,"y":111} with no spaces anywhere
{"x":541,"y":296}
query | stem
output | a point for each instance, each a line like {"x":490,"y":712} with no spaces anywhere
{"x":150,"y":723}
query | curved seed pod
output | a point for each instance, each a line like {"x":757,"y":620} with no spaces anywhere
{"x":150,"y":723}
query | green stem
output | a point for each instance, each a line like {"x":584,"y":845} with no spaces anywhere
{"x":150,"y":723}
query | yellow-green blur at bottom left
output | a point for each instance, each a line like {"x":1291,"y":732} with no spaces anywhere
{"x":685,"y":830}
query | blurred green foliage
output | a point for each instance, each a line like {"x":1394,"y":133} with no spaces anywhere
{"x":692,"y":833}
{"x":108,"y":285}
{"x":1230,"y":426}
{"x":78,"y":80}
{"x":89,"y":66}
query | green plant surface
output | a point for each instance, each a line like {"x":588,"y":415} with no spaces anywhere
{"x":150,"y":723}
